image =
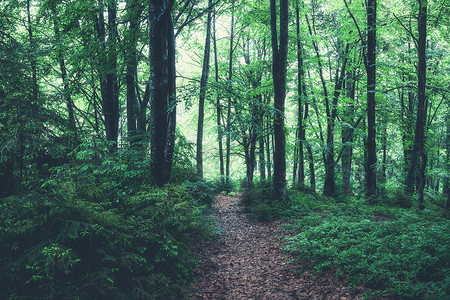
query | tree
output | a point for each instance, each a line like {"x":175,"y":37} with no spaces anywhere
{"x":419,"y":133}
{"x":218,"y":105}
{"x":228,"y":118}
{"x":108,"y":37}
{"x":279,"y":63}
{"x":203,"y":83}
{"x":371,"y":180}
{"x":162,"y":74}
{"x":301,"y":94}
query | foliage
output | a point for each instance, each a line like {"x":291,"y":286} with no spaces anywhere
{"x":183,"y":167}
{"x":391,"y":251}
{"x":259,"y":204}
{"x":223,"y":185}
{"x":97,"y":230}
{"x":201,"y":191}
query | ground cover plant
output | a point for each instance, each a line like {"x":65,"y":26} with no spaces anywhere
{"x":381,"y":249}
{"x":92,"y":232}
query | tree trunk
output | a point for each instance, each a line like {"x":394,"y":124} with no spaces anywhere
{"x":371,"y":182}
{"x":131,"y":63}
{"x":107,"y":72}
{"x":66,"y":90}
{"x":419,"y":133}
{"x":262,"y":161}
{"x":268,"y":143}
{"x":347,"y":136}
{"x":230,"y":76}
{"x":446,"y":183}
{"x":330,"y":182}
{"x":249,"y":144}
{"x":32,"y":58}
{"x":279,"y":63}
{"x":201,"y":103}
{"x":419,"y":139}
{"x":301,"y":92}
{"x":172,"y":109}
{"x":161,"y":88}
{"x":408,"y":125}
{"x":111,"y":103}
{"x":218,"y":107}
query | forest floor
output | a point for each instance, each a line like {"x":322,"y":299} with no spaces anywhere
{"x":247,"y":261}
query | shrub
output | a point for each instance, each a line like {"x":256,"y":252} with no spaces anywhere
{"x":223,"y":185}
{"x":201,"y":191}
{"x":407,"y":256}
{"x":91,"y":232}
{"x":259,"y":204}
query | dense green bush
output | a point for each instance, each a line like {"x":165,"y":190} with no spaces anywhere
{"x":223,"y":185}
{"x":201,"y":191}
{"x":98,"y":230}
{"x":259,"y":204}
{"x":392,"y":251}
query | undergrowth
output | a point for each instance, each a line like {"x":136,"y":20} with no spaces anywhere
{"x":388,"y":250}
{"x":98,"y":229}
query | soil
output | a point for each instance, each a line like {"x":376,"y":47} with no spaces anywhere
{"x":247,"y":261}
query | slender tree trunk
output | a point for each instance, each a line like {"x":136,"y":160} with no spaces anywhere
{"x":66,"y":90}
{"x":268,"y":143}
{"x":383,"y":178}
{"x":408,"y":125}
{"x":301,"y":91}
{"x":330,"y":182}
{"x":111,"y":103}
{"x":218,"y":107}
{"x":201,"y":103}
{"x":107,"y":72}
{"x":371,"y":181}
{"x":172,"y":109}
{"x":262,"y":161}
{"x":279,"y":64}
{"x":131,"y":63}
{"x":33,"y":61}
{"x":421,"y":110}
{"x":249,"y":144}
{"x":310,"y":157}
{"x":230,"y":76}
{"x":347,"y":136}
{"x":419,"y":138}
{"x":33,"y":97}
{"x":446,"y":184}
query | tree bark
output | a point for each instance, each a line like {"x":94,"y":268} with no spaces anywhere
{"x":419,"y":134}
{"x":262,"y":161}
{"x":230,"y":76}
{"x":301,"y":92}
{"x":268,"y":143}
{"x":107,"y":72}
{"x":408,"y":125}
{"x":218,"y":107}
{"x":201,"y":103}
{"x":172,"y":109}
{"x":347,"y":136}
{"x":161,"y":48}
{"x":371,"y":181}
{"x":131,"y":66}
{"x":66,"y":89}
{"x":279,"y":64}
{"x":111,"y":102}
{"x":446,"y":188}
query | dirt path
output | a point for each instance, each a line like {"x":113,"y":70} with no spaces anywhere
{"x":246,"y":262}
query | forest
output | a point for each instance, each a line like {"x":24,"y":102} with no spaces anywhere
{"x":121,"y":120}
